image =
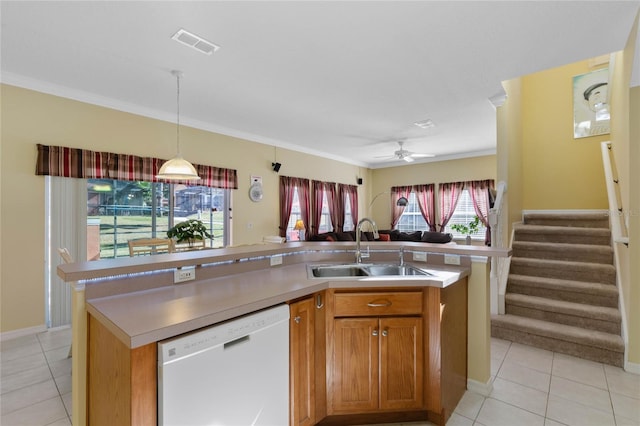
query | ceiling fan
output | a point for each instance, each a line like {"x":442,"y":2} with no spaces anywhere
{"x":403,"y":154}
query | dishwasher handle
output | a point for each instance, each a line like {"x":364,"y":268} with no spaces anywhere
{"x":237,"y":341}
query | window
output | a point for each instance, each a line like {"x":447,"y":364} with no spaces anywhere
{"x":292,"y":234}
{"x":411,"y":219}
{"x":464,"y":214}
{"x":325,"y":218}
{"x":128,"y":210}
{"x":348,"y":220}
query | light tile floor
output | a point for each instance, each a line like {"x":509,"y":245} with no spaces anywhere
{"x":530,"y":387}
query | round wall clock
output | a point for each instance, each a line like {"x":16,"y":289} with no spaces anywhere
{"x":255,"y":192}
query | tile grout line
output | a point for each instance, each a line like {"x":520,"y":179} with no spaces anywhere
{"x":53,"y":377}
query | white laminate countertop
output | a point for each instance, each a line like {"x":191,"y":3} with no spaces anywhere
{"x":148,"y":316}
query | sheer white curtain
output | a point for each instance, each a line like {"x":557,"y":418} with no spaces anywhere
{"x":65,"y":226}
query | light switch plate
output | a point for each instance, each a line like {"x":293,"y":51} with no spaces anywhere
{"x":451,"y":259}
{"x":186,"y":273}
{"x":419,"y":256}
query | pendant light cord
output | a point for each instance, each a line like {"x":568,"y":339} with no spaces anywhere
{"x":177,"y":74}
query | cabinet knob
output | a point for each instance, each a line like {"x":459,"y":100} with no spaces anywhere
{"x":385,"y":332}
{"x":297,"y":319}
{"x":375,"y":332}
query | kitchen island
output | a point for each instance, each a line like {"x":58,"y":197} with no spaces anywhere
{"x":132,"y":304}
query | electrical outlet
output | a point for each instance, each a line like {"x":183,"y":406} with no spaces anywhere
{"x":419,"y":256}
{"x":451,"y":259}
{"x":186,"y":273}
{"x":276,"y":260}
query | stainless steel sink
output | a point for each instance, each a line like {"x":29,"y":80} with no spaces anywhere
{"x":364,"y":270}
{"x":338,"y":271}
{"x":377,"y":270}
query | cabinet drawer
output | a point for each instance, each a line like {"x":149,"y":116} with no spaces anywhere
{"x":378,"y":303}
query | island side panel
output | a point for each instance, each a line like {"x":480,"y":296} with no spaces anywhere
{"x":454,"y":345}
{"x":121,"y":382}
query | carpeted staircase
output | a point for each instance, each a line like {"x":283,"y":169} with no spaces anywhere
{"x":561,"y":290}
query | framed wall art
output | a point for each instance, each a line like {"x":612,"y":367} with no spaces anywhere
{"x":591,"y":116}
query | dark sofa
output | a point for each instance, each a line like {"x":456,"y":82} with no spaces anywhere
{"x":386,"y":235}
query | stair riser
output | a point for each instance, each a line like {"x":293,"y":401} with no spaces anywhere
{"x":576,"y":223}
{"x":563,"y":254}
{"x":570,"y":348}
{"x":565,"y":295}
{"x":603,"y":276}
{"x":562,"y":238}
{"x":563,"y":318}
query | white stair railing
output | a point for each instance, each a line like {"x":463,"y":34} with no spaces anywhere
{"x":499,"y":266}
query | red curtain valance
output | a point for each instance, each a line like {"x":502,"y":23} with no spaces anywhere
{"x":82,"y":163}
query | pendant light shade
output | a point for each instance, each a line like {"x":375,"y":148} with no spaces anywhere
{"x":177,"y":168}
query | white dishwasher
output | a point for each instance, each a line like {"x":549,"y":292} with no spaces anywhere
{"x":231,"y":374}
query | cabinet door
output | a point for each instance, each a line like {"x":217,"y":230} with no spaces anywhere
{"x":302,"y":389}
{"x":401,"y":361}
{"x":355,"y":366}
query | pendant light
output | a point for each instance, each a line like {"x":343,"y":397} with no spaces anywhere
{"x":177,"y":168}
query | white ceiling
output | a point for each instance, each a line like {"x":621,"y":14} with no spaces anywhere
{"x":341,"y":79}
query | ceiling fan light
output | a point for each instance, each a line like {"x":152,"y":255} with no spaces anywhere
{"x":177,"y":169}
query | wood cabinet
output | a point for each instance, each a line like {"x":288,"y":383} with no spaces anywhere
{"x":302,"y":363}
{"x":376,"y":354}
{"x":121,"y":382}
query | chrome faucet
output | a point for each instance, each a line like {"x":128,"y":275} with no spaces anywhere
{"x":358,"y":231}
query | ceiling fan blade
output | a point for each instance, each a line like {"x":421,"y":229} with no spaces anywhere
{"x":408,"y":159}
{"x":414,"y":155}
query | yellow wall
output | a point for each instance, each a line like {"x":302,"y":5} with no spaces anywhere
{"x":30,"y":117}
{"x":625,"y":138}
{"x":633,"y":299}
{"x":559,"y":172}
{"x":476,"y":168}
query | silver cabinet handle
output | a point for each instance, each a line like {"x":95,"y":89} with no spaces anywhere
{"x":384,"y":303}
{"x":297,"y":319}
{"x":375,"y":332}
{"x":319,"y":301}
{"x":385,"y":332}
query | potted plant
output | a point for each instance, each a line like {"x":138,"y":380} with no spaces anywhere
{"x":189,"y":231}
{"x":469,"y":229}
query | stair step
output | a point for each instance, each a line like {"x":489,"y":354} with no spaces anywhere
{"x":556,"y":234}
{"x":563,"y":251}
{"x":579,"y":342}
{"x":582,"y":220}
{"x":562,"y":269}
{"x":567,"y":290}
{"x":598,"y":318}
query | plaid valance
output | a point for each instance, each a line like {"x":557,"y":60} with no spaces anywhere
{"x":82,"y":163}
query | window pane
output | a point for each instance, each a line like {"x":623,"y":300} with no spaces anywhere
{"x":411,"y":219}
{"x":464,"y":214}
{"x":348,"y":220}
{"x":202,"y":203}
{"x":129,"y":210}
{"x":325,"y":219}
{"x":292,"y":234}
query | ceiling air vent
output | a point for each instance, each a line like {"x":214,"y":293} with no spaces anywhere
{"x":195,"y":42}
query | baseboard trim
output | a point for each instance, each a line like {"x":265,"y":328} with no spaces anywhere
{"x":484,"y":389}
{"x":8,"y":335}
{"x":632,"y":367}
